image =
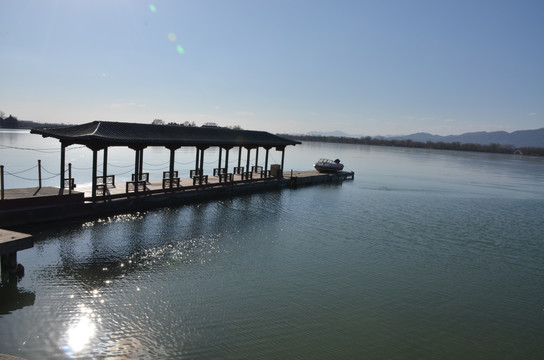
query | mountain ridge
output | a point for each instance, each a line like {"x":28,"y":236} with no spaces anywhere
{"x":519,"y":138}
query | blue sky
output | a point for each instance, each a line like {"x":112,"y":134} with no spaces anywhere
{"x":363,"y":67}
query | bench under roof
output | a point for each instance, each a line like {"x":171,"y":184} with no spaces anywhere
{"x":99,"y":134}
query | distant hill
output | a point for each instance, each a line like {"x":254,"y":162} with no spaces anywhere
{"x":521,"y":138}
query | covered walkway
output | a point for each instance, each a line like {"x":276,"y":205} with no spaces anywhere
{"x":99,"y":136}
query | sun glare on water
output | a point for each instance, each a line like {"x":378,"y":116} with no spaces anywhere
{"x":80,"y":333}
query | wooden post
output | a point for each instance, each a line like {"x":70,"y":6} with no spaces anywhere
{"x":141,"y":163}
{"x":201,"y":169}
{"x":69,"y":178}
{"x":171,"y":168}
{"x":197,"y":161}
{"x":239,"y":156}
{"x":256,"y":158}
{"x":93,"y":186}
{"x":136,"y":169}
{"x":105,"y":165}
{"x":266,"y":162}
{"x":227,"y":160}
{"x":282,"y":160}
{"x":1,"y":182}
{"x":39,"y":174}
{"x":219,"y":163}
{"x":62,"y":164}
{"x":247,"y":160}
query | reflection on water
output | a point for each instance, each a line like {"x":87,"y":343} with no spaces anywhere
{"x":11,"y":296}
{"x":80,"y":332}
{"x":407,"y":261}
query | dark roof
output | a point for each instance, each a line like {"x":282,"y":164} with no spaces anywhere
{"x":108,"y":133}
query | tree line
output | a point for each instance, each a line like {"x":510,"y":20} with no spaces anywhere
{"x":440,"y":145}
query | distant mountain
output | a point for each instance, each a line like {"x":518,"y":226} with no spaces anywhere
{"x":522,"y":138}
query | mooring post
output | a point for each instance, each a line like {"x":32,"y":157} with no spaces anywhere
{"x":39,"y":174}
{"x":2,"y":182}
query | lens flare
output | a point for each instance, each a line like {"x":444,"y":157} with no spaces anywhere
{"x":172,"y":37}
{"x":152,"y":8}
{"x":180,"y":49}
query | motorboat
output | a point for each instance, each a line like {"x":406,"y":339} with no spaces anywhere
{"x":327,"y":165}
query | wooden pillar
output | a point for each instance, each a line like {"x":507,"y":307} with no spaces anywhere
{"x":201,"y":169}
{"x":227,"y":160}
{"x":105,"y":164}
{"x":141,"y":162}
{"x":62,"y":164}
{"x":219,"y":165}
{"x":95,"y":155}
{"x":136,"y":168}
{"x":266,"y":161}
{"x":239,"y":156}
{"x":248,"y":158}
{"x":282,"y":159}
{"x":257,"y":157}
{"x":171,"y":168}
{"x":197,"y":161}
{"x":70,"y":185}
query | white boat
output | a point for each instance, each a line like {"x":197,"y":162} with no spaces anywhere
{"x":327,"y":165}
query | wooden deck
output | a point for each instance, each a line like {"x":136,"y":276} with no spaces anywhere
{"x":32,"y":205}
{"x":190,"y":184}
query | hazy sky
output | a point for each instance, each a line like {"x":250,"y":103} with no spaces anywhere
{"x":364,"y":67}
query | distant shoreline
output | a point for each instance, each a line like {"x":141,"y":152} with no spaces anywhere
{"x":367,"y":140}
{"x":489,"y":148}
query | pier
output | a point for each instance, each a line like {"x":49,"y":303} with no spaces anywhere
{"x":107,"y":195}
{"x":10,"y":243}
{"x":35,"y":205}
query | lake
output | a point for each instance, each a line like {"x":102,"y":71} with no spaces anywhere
{"x":426,"y":254}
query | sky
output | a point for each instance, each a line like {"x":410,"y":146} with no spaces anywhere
{"x":364,"y":67}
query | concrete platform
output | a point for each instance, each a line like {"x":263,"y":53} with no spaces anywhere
{"x":10,"y":243}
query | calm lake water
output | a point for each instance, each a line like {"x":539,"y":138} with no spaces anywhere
{"x":425,"y":255}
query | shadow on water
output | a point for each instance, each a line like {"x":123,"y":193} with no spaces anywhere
{"x":11,"y":296}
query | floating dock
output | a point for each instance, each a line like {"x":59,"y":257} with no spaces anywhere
{"x":34,"y":205}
